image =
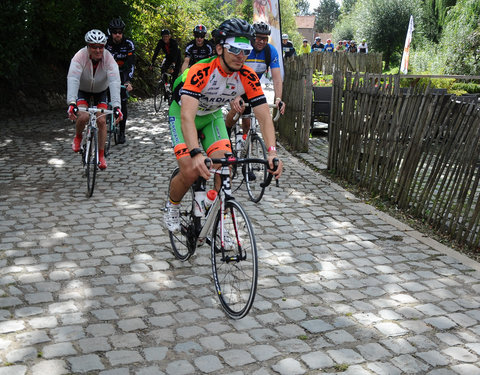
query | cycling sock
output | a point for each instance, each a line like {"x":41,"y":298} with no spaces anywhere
{"x":78,"y":136}
{"x":101,"y":153}
{"x":172,"y":202}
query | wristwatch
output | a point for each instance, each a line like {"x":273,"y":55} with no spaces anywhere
{"x":195,"y":152}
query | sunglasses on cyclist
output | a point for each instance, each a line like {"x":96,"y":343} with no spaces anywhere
{"x":236,"y":51}
{"x":96,"y":46}
{"x":199,"y":35}
{"x":117,"y":31}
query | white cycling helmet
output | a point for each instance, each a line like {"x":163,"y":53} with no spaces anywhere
{"x":95,"y":36}
{"x":284,"y":36}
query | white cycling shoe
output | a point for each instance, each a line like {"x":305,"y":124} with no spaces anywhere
{"x":172,"y":217}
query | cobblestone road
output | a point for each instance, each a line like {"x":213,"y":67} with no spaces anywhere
{"x":91,"y":286}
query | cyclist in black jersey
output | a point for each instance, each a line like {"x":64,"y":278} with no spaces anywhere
{"x":173,"y":56}
{"x":198,"y":49}
{"x":123,"y":51}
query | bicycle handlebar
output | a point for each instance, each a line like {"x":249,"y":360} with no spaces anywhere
{"x":95,"y":110}
{"x":230,"y":160}
{"x":275,"y":119}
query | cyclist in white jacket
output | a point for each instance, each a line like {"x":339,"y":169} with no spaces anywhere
{"x":93,"y":71}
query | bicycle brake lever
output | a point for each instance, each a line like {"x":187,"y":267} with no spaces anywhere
{"x":270,"y":176}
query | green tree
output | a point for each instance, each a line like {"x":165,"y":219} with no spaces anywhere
{"x":303,"y":8}
{"x":384,"y":24}
{"x":347,"y":6}
{"x":461,"y":38}
{"x":433,"y":18}
{"x":326,"y":15}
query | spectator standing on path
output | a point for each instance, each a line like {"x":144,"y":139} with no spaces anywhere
{"x":93,"y":71}
{"x":363,"y":47}
{"x":287,"y":47}
{"x":198,"y":49}
{"x":199,"y":97}
{"x":123,"y":51}
{"x":318,"y":45}
{"x":329,"y":46}
{"x":305,"y":49}
{"x":264,"y":56}
{"x":173,"y":57}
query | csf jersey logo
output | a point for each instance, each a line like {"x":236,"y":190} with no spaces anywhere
{"x":198,"y":78}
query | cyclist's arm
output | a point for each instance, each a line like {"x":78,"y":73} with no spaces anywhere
{"x":156,"y":52}
{"x":185,"y":64}
{"x":73,"y":77}
{"x":188,"y":113}
{"x":113,"y":76}
{"x":278,"y":86}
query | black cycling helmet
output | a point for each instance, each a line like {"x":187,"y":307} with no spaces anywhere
{"x":165,"y":32}
{"x":115,"y":24}
{"x":199,"y":30}
{"x":231,"y":28}
{"x":262,"y":28}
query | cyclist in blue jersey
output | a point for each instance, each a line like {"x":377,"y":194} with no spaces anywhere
{"x":263,"y":56}
{"x":329,"y":46}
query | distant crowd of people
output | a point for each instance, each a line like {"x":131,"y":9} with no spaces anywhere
{"x":342,"y":46}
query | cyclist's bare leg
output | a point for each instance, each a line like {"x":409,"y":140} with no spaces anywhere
{"x":187,"y":177}
{"x":102,"y":131}
{"x":82,"y":120}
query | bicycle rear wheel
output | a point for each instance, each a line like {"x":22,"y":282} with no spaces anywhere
{"x":255,"y":174}
{"x":184,"y":242}
{"x":91,"y":164}
{"x":158,"y":96}
{"x":234,"y":264}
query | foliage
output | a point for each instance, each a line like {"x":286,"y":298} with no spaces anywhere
{"x":383,"y":23}
{"x":288,"y":9}
{"x":326,"y":14}
{"x":433,"y":18}
{"x":347,"y":6}
{"x":303,"y":8}
{"x":460,"y":41}
{"x":468,"y":87}
{"x":320,"y":80}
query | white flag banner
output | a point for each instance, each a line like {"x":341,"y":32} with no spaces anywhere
{"x":406,"y":49}
{"x":268,"y":11}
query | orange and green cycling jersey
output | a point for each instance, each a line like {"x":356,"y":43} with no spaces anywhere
{"x":214,"y":88}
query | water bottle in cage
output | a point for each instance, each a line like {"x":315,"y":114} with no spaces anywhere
{"x":200,"y":196}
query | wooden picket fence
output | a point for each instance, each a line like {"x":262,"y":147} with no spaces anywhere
{"x":294,"y":126}
{"x":418,"y":149}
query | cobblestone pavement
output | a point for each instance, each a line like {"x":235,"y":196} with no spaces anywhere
{"x":91,"y":286}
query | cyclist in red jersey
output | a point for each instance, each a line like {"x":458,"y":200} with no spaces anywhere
{"x":207,"y":87}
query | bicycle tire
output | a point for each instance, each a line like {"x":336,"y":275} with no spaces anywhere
{"x":255,"y":174}
{"x":184,"y":242}
{"x":110,"y":134}
{"x":158,"y":96}
{"x":116,"y":133}
{"x":235,"y":270}
{"x":91,"y":162}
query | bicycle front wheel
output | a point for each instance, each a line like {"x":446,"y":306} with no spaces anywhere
{"x":91,"y":165}
{"x":234,"y":260}
{"x":158,"y":96}
{"x":255,"y":174}
{"x":184,"y":242}
{"x":110,"y":134}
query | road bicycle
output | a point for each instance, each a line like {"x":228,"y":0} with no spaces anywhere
{"x":113,"y":128}
{"x":225,"y":226}
{"x":250,"y":145}
{"x":89,"y":148}
{"x":163,"y":90}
